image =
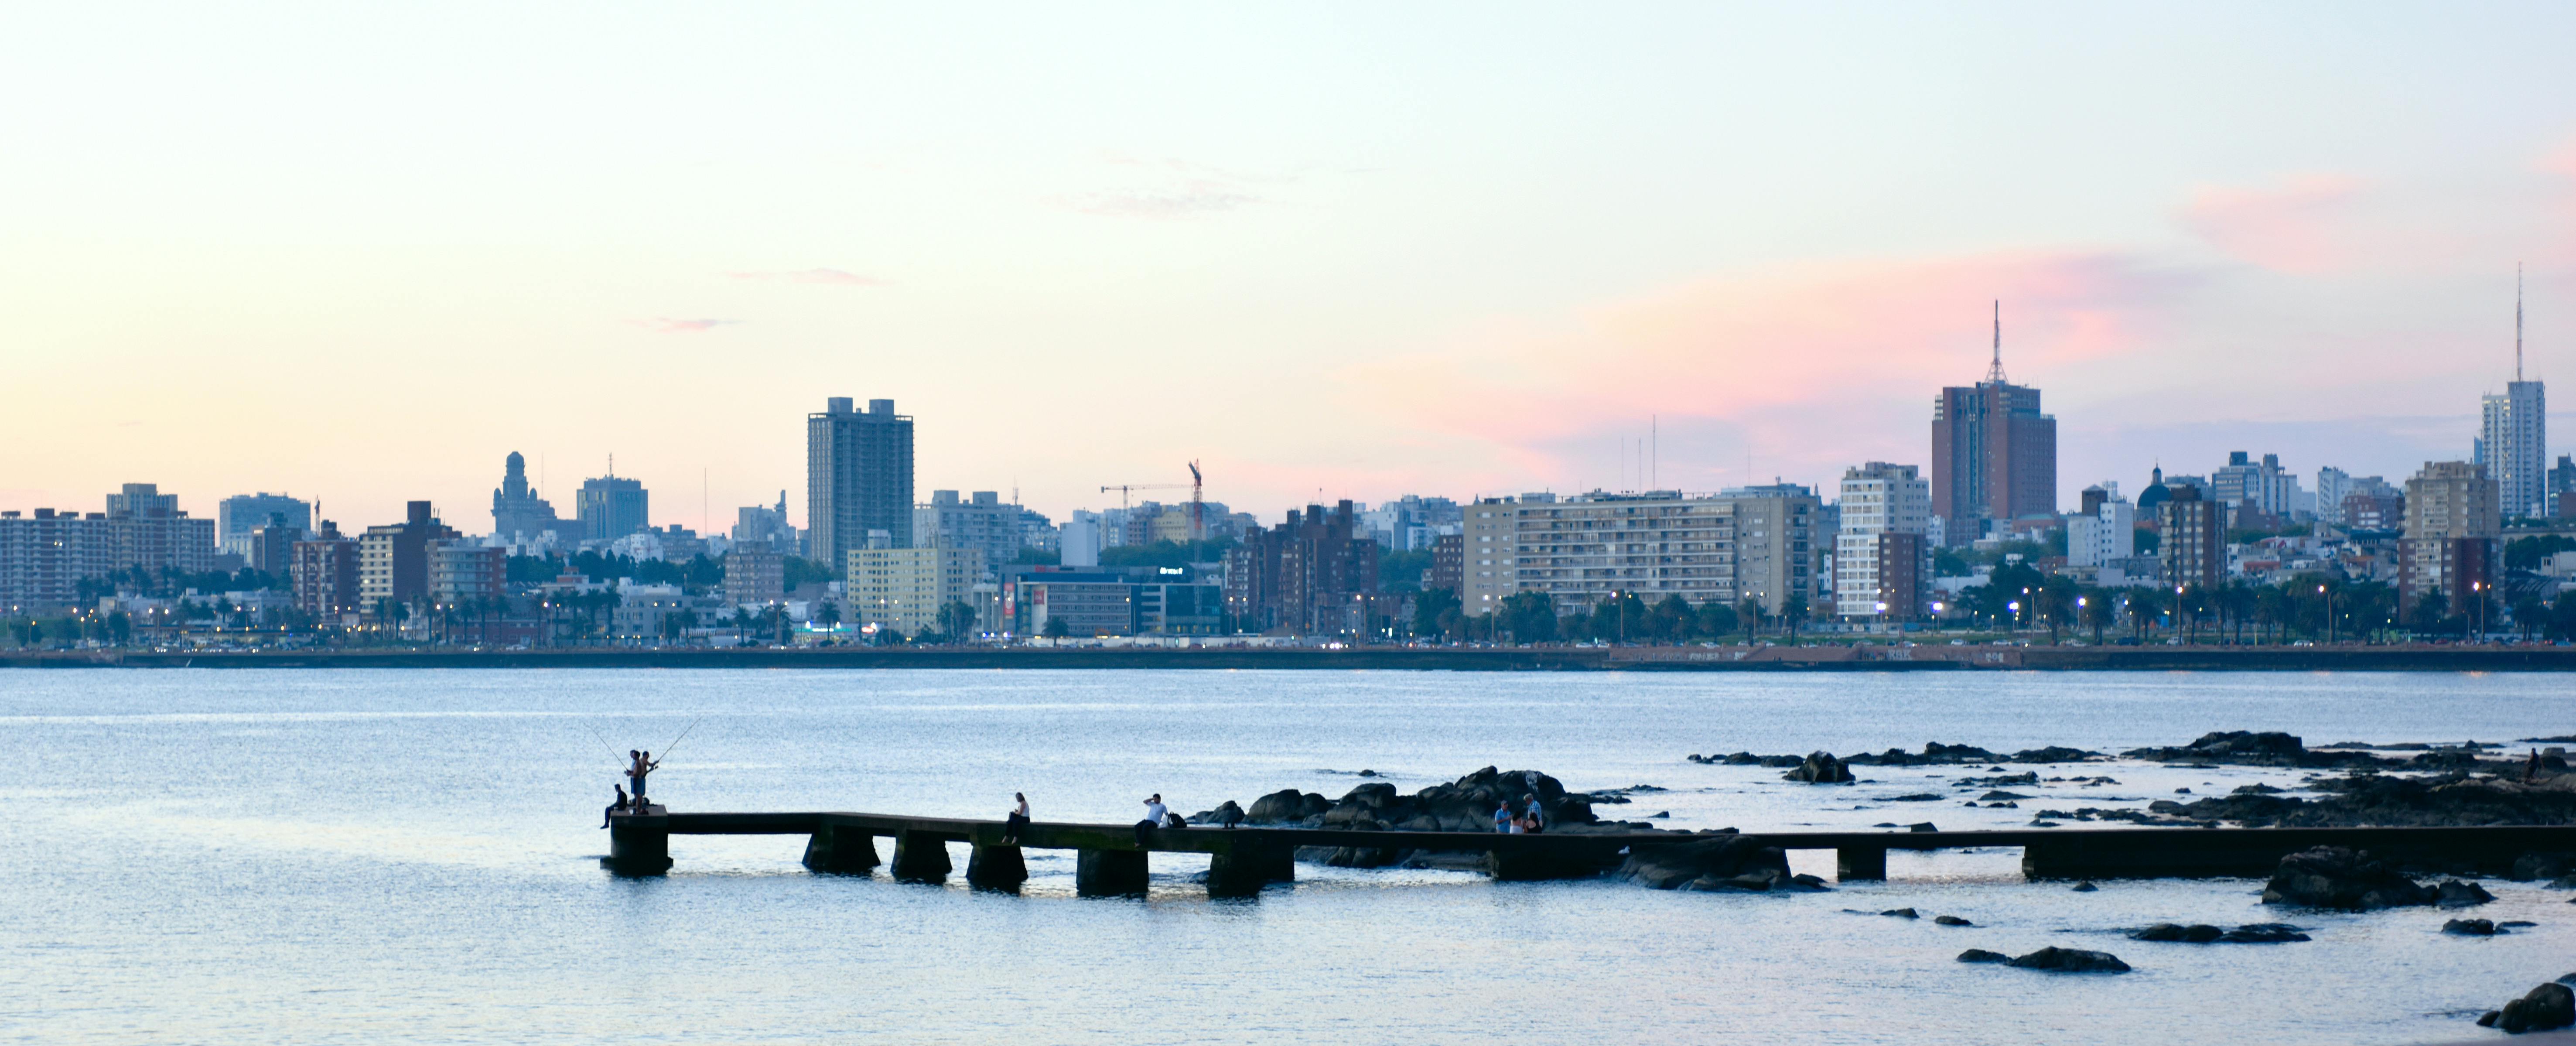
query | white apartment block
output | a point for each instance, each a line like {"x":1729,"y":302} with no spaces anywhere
{"x":1877,"y":500}
{"x":903,"y":588}
{"x":1761,"y":543}
{"x":2513,"y":434}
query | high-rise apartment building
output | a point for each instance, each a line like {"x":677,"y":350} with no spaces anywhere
{"x":2513,"y":433}
{"x":393,"y":561}
{"x":45,"y":555}
{"x":1994,"y":455}
{"x":325,"y":575}
{"x":2105,"y":530}
{"x":858,"y":477}
{"x":1764,"y":543}
{"x":2452,"y":521}
{"x":467,"y":574}
{"x":2194,"y":537}
{"x":611,"y":507}
{"x":754,"y":573}
{"x":2244,"y":483}
{"x":1487,"y":531}
{"x":1882,"y":565}
{"x":763,"y":525}
{"x":2562,"y":482}
{"x":1313,"y":574}
{"x":238,"y":515}
{"x":982,"y":521}
{"x":903,"y":588}
{"x":518,"y":514}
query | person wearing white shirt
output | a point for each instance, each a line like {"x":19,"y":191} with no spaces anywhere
{"x":1154,"y":811}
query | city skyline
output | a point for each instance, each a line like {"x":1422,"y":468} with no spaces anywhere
{"x":2319,"y":268}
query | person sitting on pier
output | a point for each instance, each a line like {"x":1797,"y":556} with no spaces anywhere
{"x":1154,"y":811}
{"x":614,"y":808}
{"x":1018,"y":819}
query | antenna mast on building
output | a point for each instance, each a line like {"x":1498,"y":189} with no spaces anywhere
{"x":2517,"y":321}
{"x":1995,"y":373}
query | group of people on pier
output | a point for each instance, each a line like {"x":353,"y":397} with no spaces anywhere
{"x":638,"y":765}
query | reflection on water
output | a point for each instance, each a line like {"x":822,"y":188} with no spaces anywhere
{"x":260,"y":857}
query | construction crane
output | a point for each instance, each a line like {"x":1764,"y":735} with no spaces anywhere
{"x":1198,"y":522}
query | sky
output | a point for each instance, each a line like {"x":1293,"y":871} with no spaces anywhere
{"x":361,"y":253}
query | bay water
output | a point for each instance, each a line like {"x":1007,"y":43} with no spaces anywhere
{"x":412,"y":856}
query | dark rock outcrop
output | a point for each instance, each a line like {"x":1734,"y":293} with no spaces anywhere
{"x":1951,"y":920}
{"x":2470,"y":928}
{"x":2203,"y":933}
{"x":2550,"y":1006}
{"x":1225,"y":814}
{"x":1820,"y":768}
{"x":2070,"y":960}
{"x":1982,"y":955}
{"x":1286,"y":806}
{"x":2457,"y":894}
{"x":1718,"y":859}
{"x":2054,"y":754}
{"x":2387,"y":801}
{"x":2338,"y":877}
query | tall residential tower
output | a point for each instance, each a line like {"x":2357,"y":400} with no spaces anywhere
{"x":858,"y":478}
{"x":2513,"y":435}
{"x":1994,"y":455}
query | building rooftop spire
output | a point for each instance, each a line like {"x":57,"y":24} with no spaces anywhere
{"x":2517,"y":321}
{"x":1995,"y":373}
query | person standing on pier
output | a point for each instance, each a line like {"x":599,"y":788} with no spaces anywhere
{"x":1154,"y":811}
{"x":1503,"y":821}
{"x":644,"y":764}
{"x":1018,"y":819}
{"x":1536,"y":821}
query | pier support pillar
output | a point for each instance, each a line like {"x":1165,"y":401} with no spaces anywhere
{"x":639,"y":844}
{"x":993,"y":866}
{"x":1857,"y":863}
{"x":1109,"y":873}
{"x":1247,"y":867}
{"x":844,"y":850}
{"x":920,"y":856}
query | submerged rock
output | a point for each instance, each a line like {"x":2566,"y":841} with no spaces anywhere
{"x":2070,"y":960}
{"x":1982,"y":955}
{"x":2203,"y":933}
{"x":2470,"y":928}
{"x":2085,"y":887}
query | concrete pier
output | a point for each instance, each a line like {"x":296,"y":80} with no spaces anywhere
{"x":847,"y":850}
{"x":1243,"y":860}
{"x":921,"y":856}
{"x":1860,"y":863}
{"x":1109,"y":873}
{"x":1243,"y":869}
{"x":639,"y":844}
{"x":995,"y":866}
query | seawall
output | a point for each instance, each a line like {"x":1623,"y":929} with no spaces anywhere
{"x":2398,"y":658}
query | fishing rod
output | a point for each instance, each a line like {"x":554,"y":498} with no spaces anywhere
{"x":595,"y":735}
{"x":684,"y":735}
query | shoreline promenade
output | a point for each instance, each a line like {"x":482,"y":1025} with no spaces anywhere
{"x":1826,"y":658}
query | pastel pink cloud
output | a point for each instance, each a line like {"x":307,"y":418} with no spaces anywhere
{"x":2302,"y":224}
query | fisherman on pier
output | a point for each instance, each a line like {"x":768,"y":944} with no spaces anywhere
{"x":642,"y":764}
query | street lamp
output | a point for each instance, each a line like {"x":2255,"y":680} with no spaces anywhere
{"x":2330,"y":622}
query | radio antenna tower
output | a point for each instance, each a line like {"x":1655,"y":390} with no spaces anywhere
{"x":2517,"y":321}
{"x":1995,"y":373}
